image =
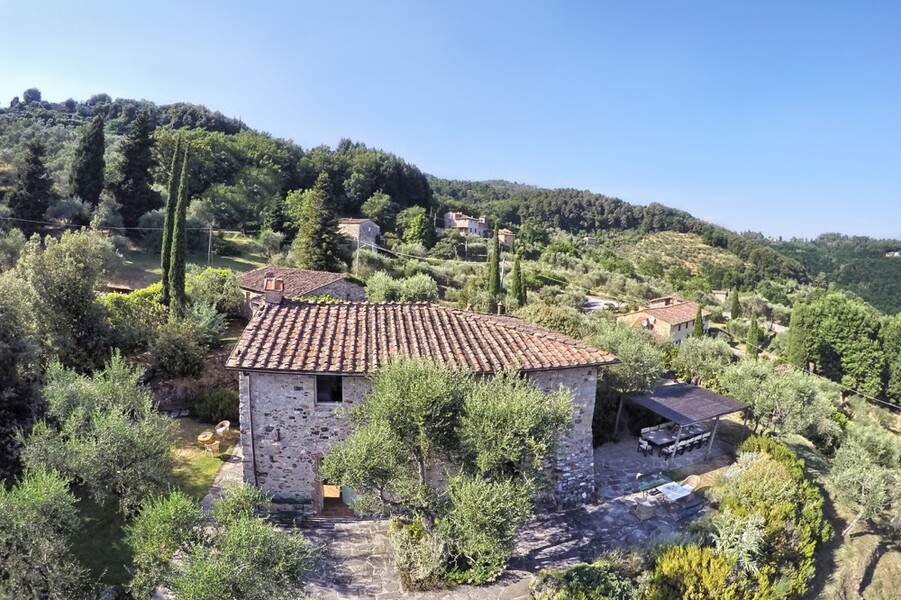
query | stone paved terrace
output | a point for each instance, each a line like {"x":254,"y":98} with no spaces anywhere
{"x":357,"y":561}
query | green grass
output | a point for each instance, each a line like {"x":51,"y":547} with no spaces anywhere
{"x":100,"y":541}
{"x":142,"y":268}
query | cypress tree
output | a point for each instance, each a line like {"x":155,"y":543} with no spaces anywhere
{"x":698,"y":330}
{"x":171,"y":201}
{"x":318,"y":243}
{"x":134,"y":191}
{"x":517,"y":285}
{"x":179,"y":245}
{"x":87,"y":169}
{"x":494,"y":272}
{"x":735,"y":308}
{"x":753,"y":337}
{"x":32,"y":196}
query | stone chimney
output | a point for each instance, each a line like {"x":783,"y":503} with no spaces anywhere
{"x":274,"y":288}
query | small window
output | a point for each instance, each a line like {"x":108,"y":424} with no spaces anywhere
{"x":329,"y":389}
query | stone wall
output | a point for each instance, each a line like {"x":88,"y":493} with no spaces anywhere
{"x":573,"y":467}
{"x":342,"y":290}
{"x":285,"y":433}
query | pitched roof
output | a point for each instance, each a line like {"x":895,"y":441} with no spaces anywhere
{"x":359,"y":337}
{"x":350,"y":221}
{"x":673,"y":314}
{"x":298,"y":282}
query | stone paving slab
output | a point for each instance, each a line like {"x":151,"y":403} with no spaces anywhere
{"x":357,"y":553}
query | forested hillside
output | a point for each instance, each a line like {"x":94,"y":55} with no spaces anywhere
{"x":857,"y":264}
{"x":240,"y":178}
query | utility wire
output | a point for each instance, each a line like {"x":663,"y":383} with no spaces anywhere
{"x":806,"y":371}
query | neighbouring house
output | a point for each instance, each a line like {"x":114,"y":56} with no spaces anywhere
{"x":893,"y":254}
{"x":295,"y":283}
{"x":302,"y":365}
{"x":589,"y":241}
{"x":505,"y":238}
{"x":362,"y":231}
{"x":722,"y":296}
{"x":467,"y":225}
{"x":669,"y":317}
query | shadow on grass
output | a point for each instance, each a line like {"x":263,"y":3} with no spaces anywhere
{"x":100,"y":541}
{"x":817,"y":468}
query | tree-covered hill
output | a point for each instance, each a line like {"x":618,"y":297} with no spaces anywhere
{"x":857,"y":264}
{"x":581,"y":211}
{"x":240,"y":178}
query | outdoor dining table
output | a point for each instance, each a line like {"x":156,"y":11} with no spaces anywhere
{"x":660,"y":437}
{"x":672,"y":491}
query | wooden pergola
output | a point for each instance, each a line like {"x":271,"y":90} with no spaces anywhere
{"x":684,"y":404}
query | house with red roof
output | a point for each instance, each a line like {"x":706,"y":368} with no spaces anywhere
{"x":669,"y":317}
{"x":301,"y":365}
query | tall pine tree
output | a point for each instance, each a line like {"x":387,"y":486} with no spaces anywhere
{"x":32,"y":196}
{"x":735,"y":307}
{"x":494,"y":272}
{"x":169,"y":223}
{"x":133,"y":190}
{"x":318,"y":243}
{"x":698,"y":330}
{"x":179,"y":246}
{"x":753,"y":337}
{"x":517,"y":284}
{"x":87,"y":169}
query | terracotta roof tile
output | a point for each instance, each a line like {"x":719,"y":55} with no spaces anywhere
{"x":359,"y":337}
{"x":298,"y":282}
{"x":673,"y":314}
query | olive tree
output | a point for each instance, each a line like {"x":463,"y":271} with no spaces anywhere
{"x":235,"y":555}
{"x":489,"y":438}
{"x":37,"y":515}
{"x":103,"y":432}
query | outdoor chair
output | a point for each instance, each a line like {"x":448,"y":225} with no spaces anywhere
{"x":222,"y":429}
{"x":645,"y":429}
{"x":691,"y":482}
{"x":668,"y":450}
{"x":644,"y":447}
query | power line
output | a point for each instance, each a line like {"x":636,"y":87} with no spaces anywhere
{"x":806,"y":371}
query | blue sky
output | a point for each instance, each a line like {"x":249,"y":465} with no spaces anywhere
{"x":783,"y":117}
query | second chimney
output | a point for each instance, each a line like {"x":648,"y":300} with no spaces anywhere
{"x":274,"y":288}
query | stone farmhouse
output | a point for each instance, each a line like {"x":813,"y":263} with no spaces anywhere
{"x":286,"y":282}
{"x":302,"y":364}
{"x":669,"y":317}
{"x":362,"y":231}
{"x":467,"y":225}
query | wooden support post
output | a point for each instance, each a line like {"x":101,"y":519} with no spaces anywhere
{"x":675,"y":446}
{"x":618,"y":413}
{"x":716,"y":424}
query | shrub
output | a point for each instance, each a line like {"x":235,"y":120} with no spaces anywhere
{"x":692,"y":572}
{"x":381,"y":287}
{"x":133,"y":320}
{"x":418,"y":288}
{"x":176,"y":352}
{"x":419,"y":557}
{"x":559,"y":318}
{"x":601,"y":580}
{"x":206,"y":324}
{"x":217,"y":287}
{"x":215,"y":405}
{"x":482,"y":524}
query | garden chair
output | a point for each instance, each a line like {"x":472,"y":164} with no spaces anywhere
{"x":222,"y":429}
{"x":644,"y":447}
{"x":691,"y":482}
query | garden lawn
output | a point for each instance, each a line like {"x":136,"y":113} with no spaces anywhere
{"x":100,"y":542}
{"x":142,"y":268}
